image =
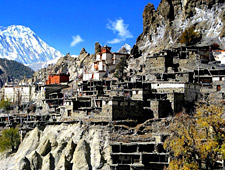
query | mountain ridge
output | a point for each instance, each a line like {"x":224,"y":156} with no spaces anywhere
{"x":13,"y":71}
{"x":21,"y":44}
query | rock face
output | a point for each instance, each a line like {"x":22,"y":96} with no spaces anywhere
{"x":61,"y":147}
{"x":97,"y":47}
{"x":66,"y":64}
{"x":24,"y":164}
{"x":81,"y":157}
{"x":163,"y":26}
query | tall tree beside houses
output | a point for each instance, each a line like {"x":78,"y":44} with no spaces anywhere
{"x":197,"y":142}
{"x":120,"y":69}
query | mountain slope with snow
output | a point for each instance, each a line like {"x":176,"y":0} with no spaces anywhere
{"x":126,"y":48}
{"x":163,"y":27}
{"x":21,"y":44}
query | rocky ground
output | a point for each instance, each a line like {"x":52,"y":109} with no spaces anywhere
{"x":66,"y":146}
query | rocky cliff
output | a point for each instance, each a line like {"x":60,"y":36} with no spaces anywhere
{"x":162,"y":27}
{"x":62,"y":147}
{"x":66,"y":64}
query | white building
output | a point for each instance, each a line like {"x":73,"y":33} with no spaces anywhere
{"x":15,"y":93}
{"x":105,"y":62}
{"x":219,"y":55}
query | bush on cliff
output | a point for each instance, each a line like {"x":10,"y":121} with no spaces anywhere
{"x":9,"y":139}
{"x":190,"y":36}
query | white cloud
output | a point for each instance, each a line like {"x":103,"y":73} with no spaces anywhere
{"x":76,"y":39}
{"x":115,"y":41}
{"x":121,"y":29}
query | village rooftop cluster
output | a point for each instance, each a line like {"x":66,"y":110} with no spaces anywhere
{"x":164,"y":84}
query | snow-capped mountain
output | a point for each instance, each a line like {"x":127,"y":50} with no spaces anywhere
{"x":39,"y":65}
{"x":20,"y":43}
{"x":126,"y":48}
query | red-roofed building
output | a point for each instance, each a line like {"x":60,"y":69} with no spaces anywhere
{"x":57,"y":78}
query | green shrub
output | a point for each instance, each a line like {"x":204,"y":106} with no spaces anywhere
{"x":9,"y":138}
{"x":5,"y":104}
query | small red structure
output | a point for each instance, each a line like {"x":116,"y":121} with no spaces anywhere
{"x":57,"y":78}
{"x":106,"y":49}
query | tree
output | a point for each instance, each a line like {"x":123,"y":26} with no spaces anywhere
{"x":120,"y":68}
{"x":5,"y":104}
{"x":197,"y":142}
{"x":190,"y":36}
{"x":9,"y":138}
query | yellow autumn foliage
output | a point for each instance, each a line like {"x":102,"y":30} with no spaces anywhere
{"x":198,"y":140}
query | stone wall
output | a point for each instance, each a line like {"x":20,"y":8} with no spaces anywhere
{"x":156,"y":64}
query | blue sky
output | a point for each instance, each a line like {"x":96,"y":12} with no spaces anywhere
{"x":69,"y":25}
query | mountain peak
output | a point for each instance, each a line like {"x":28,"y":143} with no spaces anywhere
{"x":20,"y":43}
{"x":126,"y":48}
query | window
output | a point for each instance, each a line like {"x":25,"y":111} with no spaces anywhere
{"x":218,"y":88}
{"x":69,"y":112}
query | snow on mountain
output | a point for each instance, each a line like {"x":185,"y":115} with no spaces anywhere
{"x":42,"y":64}
{"x":20,"y":43}
{"x":39,"y":65}
{"x":126,"y":48}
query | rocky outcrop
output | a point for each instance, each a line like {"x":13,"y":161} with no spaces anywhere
{"x":83,"y":51}
{"x":68,"y":152}
{"x":66,"y":64}
{"x":30,"y":142}
{"x":81,"y":157}
{"x":45,"y":147}
{"x":163,"y":26}
{"x":48,"y":162}
{"x":24,"y":164}
{"x":97,"y":47}
{"x":36,"y":160}
{"x":62,"y":147}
